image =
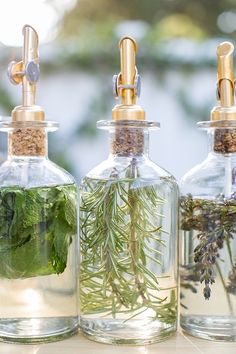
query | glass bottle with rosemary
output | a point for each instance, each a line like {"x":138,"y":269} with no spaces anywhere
{"x":128,"y":211}
{"x":208,"y":221}
{"x":38,"y":222}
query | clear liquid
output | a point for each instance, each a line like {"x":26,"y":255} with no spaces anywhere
{"x":213,"y":318}
{"x":128,"y":290}
{"x":41,"y":308}
{"x":38,"y":283}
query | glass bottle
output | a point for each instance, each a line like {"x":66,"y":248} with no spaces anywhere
{"x":128,"y":212}
{"x":38,"y":223}
{"x":208,"y":222}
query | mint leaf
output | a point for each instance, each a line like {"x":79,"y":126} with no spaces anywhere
{"x":33,"y":204}
{"x":37,"y":226}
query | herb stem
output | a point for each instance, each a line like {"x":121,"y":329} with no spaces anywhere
{"x":230,"y":252}
{"x":133,"y":222}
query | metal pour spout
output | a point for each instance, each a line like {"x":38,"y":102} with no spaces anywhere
{"x":226,"y":74}
{"x":30,"y":57}
{"x":127,"y":83}
{"x":27,"y":73}
{"x":225,"y":83}
{"x":128,"y":48}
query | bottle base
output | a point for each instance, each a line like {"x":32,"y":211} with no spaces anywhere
{"x":37,"y":330}
{"x":218,"y":328}
{"x":119,"y":332}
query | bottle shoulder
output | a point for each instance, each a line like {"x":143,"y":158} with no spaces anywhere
{"x":146,"y":169}
{"x":33,"y":172}
{"x":209,"y":176}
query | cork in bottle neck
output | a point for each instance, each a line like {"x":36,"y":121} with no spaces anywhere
{"x":27,"y":142}
{"x":224,"y":141}
{"x":126,"y":142}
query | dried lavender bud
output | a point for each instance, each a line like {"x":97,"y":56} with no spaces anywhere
{"x":128,"y":141}
{"x":225,"y":141}
{"x":215,"y":223}
{"x":27,"y":142}
{"x":205,"y":254}
{"x":207,"y":292}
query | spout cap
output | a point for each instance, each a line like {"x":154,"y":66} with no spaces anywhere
{"x":226,"y":109}
{"x":127,"y":85}
{"x":26,"y":72}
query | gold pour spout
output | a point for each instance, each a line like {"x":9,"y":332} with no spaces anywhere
{"x":225,"y":83}
{"x":128,"y":49}
{"x":30,"y":55}
{"x":127,"y":83}
{"x":226,"y":74}
{"x":27,"y":73}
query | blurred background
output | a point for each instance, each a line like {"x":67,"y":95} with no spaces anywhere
{"x":79,"y":54}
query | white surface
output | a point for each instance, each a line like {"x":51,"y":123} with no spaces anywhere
{"x":178,"y":344}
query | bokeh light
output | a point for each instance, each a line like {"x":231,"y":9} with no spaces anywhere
{"x":41,"y":14}
{"x":227,"y":21}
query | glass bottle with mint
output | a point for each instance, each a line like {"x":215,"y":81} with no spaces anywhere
{"x":38,"y":222}
{"x":208,"y":221}
{"x":128,"y":212}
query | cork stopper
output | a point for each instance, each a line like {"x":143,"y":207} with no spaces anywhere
{"x":225,"y":141}
{"x":27,"y":142}
{"x":127,"y":141}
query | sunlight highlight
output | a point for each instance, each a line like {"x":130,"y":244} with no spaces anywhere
{"x":15,"y":14}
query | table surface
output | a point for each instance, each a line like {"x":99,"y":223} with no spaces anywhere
{"x":178,"y":344}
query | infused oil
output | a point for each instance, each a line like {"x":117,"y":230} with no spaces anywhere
{"x":128,"y":229}
{"x":38,"y":222}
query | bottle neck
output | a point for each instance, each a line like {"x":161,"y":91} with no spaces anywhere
{"x":129,"y":142}
{"x":222,"y":141}
{"x":28,"y":142}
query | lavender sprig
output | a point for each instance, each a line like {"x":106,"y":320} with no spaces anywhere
{"x":205,"y":254}
{"x":216,"y":223}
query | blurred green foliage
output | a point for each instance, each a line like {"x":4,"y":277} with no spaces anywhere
{"x":104,"y":14}
{"x":90,"y":31}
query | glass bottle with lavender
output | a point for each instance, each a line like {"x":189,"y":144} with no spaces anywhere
{"x":128,"y":225}
{"x":208,"y":221}
{"x":38,"y":222}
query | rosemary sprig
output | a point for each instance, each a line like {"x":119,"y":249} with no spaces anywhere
{"x":122,"y":242}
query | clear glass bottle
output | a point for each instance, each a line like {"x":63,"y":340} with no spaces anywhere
{"x":128,"y":225}
{"x":38,"y":228}
{"x":208,"y":222}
